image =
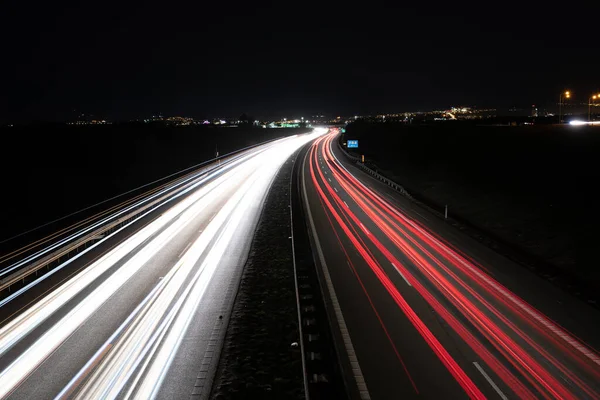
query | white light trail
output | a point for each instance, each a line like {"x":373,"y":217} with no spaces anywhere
{"x":40,"y":311}
{"x":255,"y":189}
{"x":32,"y":317}
{"x":166,"y":311}
{"x":78,"y":234}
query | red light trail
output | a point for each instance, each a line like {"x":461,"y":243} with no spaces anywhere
{"x":530,"y":354}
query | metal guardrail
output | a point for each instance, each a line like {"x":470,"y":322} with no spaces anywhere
{"x":375,"y":174}
{"x":96,"y":234}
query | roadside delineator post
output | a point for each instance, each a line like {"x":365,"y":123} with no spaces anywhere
{"x":446,"y":212}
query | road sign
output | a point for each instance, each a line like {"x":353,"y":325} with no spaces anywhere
{"x":353,"y":144}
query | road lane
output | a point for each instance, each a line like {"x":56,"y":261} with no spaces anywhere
{"x":166,"y":281}
{"x":385,"y":341}
{"x":490,"y":341}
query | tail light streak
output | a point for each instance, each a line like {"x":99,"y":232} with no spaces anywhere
{"x":456,"y":371}
{"x":525,"y":312}
{"x":406,"y":234}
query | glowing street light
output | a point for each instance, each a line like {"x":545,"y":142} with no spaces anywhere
{"x":594,"y":97}
{"x":565,"y":95}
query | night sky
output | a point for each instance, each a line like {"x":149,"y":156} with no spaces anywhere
{"x":129,"y":59}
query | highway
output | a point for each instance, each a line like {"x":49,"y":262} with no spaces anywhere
{"x":422,"y":310}
{"x":140,"y":314}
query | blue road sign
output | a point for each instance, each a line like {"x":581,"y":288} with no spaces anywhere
{"x":353,"y":144}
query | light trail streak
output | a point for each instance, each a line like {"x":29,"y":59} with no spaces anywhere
{"x":249,"y":194}
{"x":40,"y":311}
{"x":524,"y":311}
{"x":465,"y":284}
{"x":134,"y":346}
{"x":162,"y":189}
{"x":72,"y":259}
{"x":153,"y":332}
{"x":56,"y":335}
{"x":462,"y":261}
{"x":455,"y":370}
{"x":506,"y":344}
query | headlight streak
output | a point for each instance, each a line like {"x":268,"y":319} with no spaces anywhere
{"x":137,"y":356}
{"x":167,"y":187}
{"x":190,"y":175}
{"x":62,"y":242}
{"x":132,"y":347}
{"x":32,"y":317}
{"x":37,"y":313}
{"x":66,"y":263}
{"x":163,"y":344}
{"x":72,"y":385}
{"x":254,"y":188}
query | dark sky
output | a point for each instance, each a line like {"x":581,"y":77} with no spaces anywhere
{"x":127,"y":59}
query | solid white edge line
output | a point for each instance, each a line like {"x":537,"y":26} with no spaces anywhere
{"x":490,"y":381}
{"x":401,"y":274}
{"x":419,"y":214}
{"x":356,"y":370}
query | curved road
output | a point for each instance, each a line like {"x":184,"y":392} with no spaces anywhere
{"x":421,"y":310}
{"x":143,"y":318}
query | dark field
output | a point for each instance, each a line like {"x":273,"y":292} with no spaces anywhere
{"x":533,"y":187}
{"x":48,"y":173}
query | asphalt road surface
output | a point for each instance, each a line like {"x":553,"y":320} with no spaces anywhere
{"x":422,"y":310}
{"x":140,"y":318}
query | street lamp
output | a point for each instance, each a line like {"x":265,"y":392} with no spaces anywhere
{"x":594,"y":97}
{"x":564,"y":95}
